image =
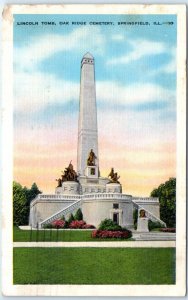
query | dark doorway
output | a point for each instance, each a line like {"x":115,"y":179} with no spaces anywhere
{"x":116,"y":218}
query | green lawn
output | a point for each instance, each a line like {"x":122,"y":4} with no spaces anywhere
{"x":55,"y":235}
{"x":94,"y":265}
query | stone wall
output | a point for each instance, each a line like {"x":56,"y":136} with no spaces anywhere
{"x":44,"y":209}
{"x":96,"y":211}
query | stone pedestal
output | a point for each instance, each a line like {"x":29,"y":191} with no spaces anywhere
{"x":92,"y":171}
{"x":68,"y":188}
{"x":142,"y":225}
{"x":113,"y":188}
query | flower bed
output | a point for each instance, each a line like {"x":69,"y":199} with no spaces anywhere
{"x":80,"y":225}
{"x":125,"y":234}
{"x":168,"y":229}
{"x":62,"y":224}
{"x":58,"y":224}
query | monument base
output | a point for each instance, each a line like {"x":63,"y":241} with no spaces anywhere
{"x":113,"y":188}
{"x":92,"y":171}
{"x":68,"y":188}
{"x":142,"y":225}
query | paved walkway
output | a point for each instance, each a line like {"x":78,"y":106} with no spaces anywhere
{"x":118,"y":244}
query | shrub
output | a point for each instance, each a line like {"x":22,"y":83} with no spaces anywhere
{"x":153,"y":225}
{"x":71,"y":218}
{"x":47,"y":225}
{"x":77,"y":224}
{"x":58,"y":224}
{"x":78,"y":215}
{"x":168,"y":229}
{"x":108,"y":224}
{"x":125,"y":234}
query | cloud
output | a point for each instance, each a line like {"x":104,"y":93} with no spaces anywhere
{"x":35,"y":91}
{"x":42,"y":47}
{"x":168,"y":68}
{"x":140,"y":49}
{"x":117,"y":37}
{"x":134,"y":94}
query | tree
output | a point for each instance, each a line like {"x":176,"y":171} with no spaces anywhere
{"x":167,"y":198}
{"x":78,"y":215}
{"x":71,"y":218}
{"x":22,"y":198}
{"x":19,"y":205}
{"x":30,"y":195}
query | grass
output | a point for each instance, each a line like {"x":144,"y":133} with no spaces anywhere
{"x":94,"y":265}
{"x":55,"y":235}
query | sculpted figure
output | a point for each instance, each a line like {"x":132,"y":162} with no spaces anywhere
{"x":69,"y":173}
{"x":142,"y":213}
{"x":113,"y":176}
{"x":91,"y":158}
{"x":59,"y":184}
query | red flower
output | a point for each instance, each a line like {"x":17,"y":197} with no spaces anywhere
{"x":109,"y":234}
{"x":77,"y":224}
{"x":88,"y":226}
{"x":58,"y":223}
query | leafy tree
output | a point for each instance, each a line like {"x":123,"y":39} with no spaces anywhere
{"x":78,"y":215}
{"x":167,"y":198}
{"x":23,"y":197}
{"x":31,"y":193}
{"x":19,"y":205}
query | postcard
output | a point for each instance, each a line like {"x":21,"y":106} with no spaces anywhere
{"x":94,"y":150}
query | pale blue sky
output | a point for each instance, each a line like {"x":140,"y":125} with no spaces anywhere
{"x":146,"y":55}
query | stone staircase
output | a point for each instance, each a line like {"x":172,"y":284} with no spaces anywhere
{"x":61,"y":213}
{"x":149,"y":215}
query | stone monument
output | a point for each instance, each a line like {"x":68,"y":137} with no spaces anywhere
{"x":142,"y":223}
{"x":87,"y":126}
{"x":98,"y":197}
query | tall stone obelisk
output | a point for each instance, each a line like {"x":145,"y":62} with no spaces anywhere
{"x":87,"y":127}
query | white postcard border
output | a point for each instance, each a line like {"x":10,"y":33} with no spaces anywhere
{"x":7,"y":155}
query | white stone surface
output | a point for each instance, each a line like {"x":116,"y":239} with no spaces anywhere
{"x":113,"y":188}
{"x":92,"y":172}
{"x":44,"y":209}
{"x":96,"y":211}
{"x":87,"y":128}
{"x":151,"y":204}
{"x":70,"y":188}
{"x":142,"y":225}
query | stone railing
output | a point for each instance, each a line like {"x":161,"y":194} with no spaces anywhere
{"x":58,"y":196}
{"x":61,"y":213}
{"x":149,"y":215}
{"x":44,"y":197}
{"x":99,"y":196}
{"x":107,"y":196}
{"x":146,"y":199}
